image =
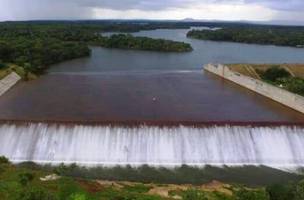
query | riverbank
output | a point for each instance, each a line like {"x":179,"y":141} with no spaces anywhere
{"x":31,"y":181}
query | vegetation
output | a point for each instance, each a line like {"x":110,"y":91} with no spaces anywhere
{"x":23,"y":183}
{"x":270,"y":35}
{"x":35,"y":46}
{"x":282,"y":78}
{"x":29,"y":183}
{"x":126,"y":41}
{"x":35,"y":49}
{"x":275,"y":73}
{"x":250,"y":175}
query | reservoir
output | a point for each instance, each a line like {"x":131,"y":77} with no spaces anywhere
{"x":127,"y":87}
{"x":120,"y":85}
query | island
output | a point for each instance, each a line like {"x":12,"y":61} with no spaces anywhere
{"x":36,"y":46}
{"x":127,"y":41}
{"x":266,"y":35}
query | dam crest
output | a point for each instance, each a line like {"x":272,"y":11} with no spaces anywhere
{"x":278,"y":147}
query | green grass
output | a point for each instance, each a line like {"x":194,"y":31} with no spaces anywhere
{"x":138,"y":188}
{"x":22,"y":182}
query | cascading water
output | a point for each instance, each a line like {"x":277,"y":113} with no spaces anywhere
{"x":101,"y":145}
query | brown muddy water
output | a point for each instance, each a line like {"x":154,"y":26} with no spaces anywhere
{"x":156,"y":96}
{"x":127,"y":86}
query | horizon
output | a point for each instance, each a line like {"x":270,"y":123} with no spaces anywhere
{"x":186,"y":20}
{"x":261,"y":11}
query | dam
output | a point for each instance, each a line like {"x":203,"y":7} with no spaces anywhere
{"x":277,"y":147}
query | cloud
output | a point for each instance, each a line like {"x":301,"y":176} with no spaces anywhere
{"x":285,"y":5}
{"x":157,"y":9}
{"x":292,"y":5}
{"x":42,"y":9}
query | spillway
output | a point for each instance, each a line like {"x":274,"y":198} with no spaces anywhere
{"x":158,"y":146}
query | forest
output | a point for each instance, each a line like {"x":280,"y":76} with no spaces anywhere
{"x":268,"y":35}
{"x":127,"y":41}
{"x":35,"y":46}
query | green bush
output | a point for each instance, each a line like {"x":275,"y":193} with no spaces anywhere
{"x":4,"y":160}
{"x":25,"y":178}
{"x":78,"y":196}
{"x":138,"y":188}
{"x":274,"y":73}
{"x":280,"y":192}
{"x":192,"y":194}
{"x":114,"y":194}
{"x":296,"y":85}
{"x":69,"y":188}
{"x":221,"y":196}
{"x":35,"y":193}
{"x":299,"y":191}
{"x":244,"y":194}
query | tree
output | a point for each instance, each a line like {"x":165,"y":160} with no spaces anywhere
{"x":35,"y":193}
{"x":192,"y":194}
{"x":280,"y":192}
{"x":299,"y":191}
{"x":25,"y":178}
{"x":4,"y":160}
{"x":6,"y":51}
{"x":274,"y":73}
{"x":245,"y":194}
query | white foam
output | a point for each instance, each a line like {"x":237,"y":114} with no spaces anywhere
{"x":279,"y":147}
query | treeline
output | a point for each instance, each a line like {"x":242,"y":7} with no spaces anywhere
{"x":35,"y":48}
{"x":281,"y":36}
{"x":36,"y":45}
{"x":127,"y":41}
{"x":36,"y":55}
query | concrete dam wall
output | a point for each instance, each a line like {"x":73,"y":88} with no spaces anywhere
{"x":282,"y":96}
{"x":9,"y":81}
{"x":278,"y":147}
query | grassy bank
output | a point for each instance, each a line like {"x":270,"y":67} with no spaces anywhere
{"x":249,"y":175}
{"x":33,"y":182}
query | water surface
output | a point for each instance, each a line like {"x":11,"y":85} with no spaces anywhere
{"x":123,"y":85}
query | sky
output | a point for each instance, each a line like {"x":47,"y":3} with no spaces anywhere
{"x":285,"y":11}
